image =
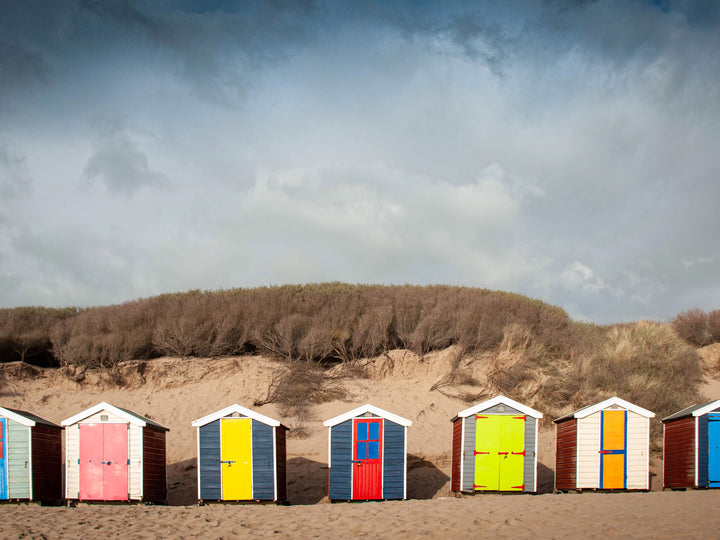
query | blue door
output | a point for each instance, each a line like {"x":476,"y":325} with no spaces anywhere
{"x":714,"y":450}
{"x":3,"y":460}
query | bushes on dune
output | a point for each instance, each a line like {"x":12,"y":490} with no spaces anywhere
{"x":316,"y":322}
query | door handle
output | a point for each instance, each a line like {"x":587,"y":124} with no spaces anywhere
{"x":106,"y":462}
{"x":228,"y":461}
{"x":503,"y":453}
{"x":358,"y":461}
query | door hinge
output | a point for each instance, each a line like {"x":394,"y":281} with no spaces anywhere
{"x":518,"y":487}
{"x":476,"y":452}
{"x":478,"y":417}
{"x":518,"y":453}
{"x":523,"y":417}
{"x":475,"y":486}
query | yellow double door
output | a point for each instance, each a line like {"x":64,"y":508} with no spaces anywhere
{"x":236,"y":458}
{"x":499,"y":453}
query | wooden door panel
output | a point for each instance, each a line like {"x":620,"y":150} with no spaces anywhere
{"x":613,"y":451}
{"x":236,"y":459}
{"x":91,"y":458}
{"x":367,"y":459}
{"x":115,"y":462}
{"x":3,"y":460}
{"x":487,"y":446}
{"x":713,"y":450}
{"x":512,"y":453}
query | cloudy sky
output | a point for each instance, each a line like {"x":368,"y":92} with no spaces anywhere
{"x":565,"y":150}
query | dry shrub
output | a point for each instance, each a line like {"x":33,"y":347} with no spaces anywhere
{"x":646,"y":364}
{"x":714,"y":325}
{"x":692,"y":326}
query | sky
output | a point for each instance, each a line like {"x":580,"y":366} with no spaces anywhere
{"x":565,"y":150}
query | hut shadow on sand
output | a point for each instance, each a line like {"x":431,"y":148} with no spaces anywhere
{"x":545,"y":478}
{"x":182,"y":483}
{"x":425,"y":480}
{"x":307,"y":481}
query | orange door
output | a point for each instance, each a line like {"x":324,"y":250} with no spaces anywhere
{"x":613,"y":450}
{"x":367,"y":459}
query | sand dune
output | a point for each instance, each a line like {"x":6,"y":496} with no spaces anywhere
{"x":175,"y":392}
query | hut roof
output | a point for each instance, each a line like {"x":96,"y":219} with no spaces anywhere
{"x":590,"y":409}
{"x":497,"y":401}
{"x":694,"y":410}
{"x":235,"y":408}
{"x":125,"y":414}
{"x":25,"y":418}
{"x":367,"y":409}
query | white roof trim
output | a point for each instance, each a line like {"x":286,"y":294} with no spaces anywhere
{"x":367,"y":409}
{"x":587,"y":411}
{"x":235,"y":408}
{"x":132,"y":418}
{"x":20,"y":419}
{"x":497,"y":401}
{"x":707,"y":408}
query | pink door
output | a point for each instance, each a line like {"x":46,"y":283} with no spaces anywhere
{"x":104,"y":462}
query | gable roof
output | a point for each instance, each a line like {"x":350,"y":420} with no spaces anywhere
{"x":497,"y":401}
{"x":235,"y":408}
{"x":695,"y":410}
{"x":25,"y":418}
{"x":367,"y":409}
{"x":590,"y":409}
{"x":125,"y":414}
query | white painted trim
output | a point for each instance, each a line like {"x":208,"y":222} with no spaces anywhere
{"x":15,"y":417}
{"x":198,"y":464}
{"x":577,"y":454}
{"x":497,"y":401}
{"x":405,"y":468}
{"x":382,"y":461}
{"x":352,"y":453}
{"x":462,"y":452}
{"x":29,"y":462}
{"x":647,"y":455}
{"x":365,"y":409}
{"x":710,"y":407}
{"x":537,"y":433}
{"x":275,"y":464}
{"x":67,"y":465}
{"x":587,"y":411}
{"x":235,"y":408}
{"x":132,"y":418}
{"x":140,"y":465}
{"x":329,"y":446}
{"x":697,"y":451}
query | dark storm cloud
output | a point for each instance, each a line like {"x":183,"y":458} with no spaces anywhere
{"x":118,"y":163}
{"x":14,"y":178}
{"x":20,"y":69}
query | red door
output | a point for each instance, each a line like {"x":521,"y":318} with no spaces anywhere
{"x":367,"y":459}
{"x":103,"y":462}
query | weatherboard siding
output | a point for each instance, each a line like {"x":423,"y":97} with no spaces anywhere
{"x":530,"y":464}
{"x":588,"y":451}
{"x":72,"y":468}
{"x":456,"y":454}
{"x":18,"y":460}
{"x":341,"y":461}
{"x":393,"y":460}
{"x":209,"y":466}
{"x":469,"y":454}
{"x":702,"y":451}
{"x":637,"y":448}
{"x":679,"y":453}
{"x":135,"y":456}
{"x":263,"y":477}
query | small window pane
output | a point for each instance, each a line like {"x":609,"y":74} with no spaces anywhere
{"x":374,"y":431}
{"x":374,"y":450}
{"x":362,"y":431}
{"x":361,"y":450}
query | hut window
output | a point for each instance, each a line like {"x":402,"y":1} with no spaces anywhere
{"x":501,"y":408}
{"x":103,"y":418}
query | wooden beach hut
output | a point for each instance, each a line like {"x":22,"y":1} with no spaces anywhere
{"x":603,"y":446}
{"x":691,"y":447}
{"x":114,"y":454}
{"x":495,"y":447}
{"x":241,"y":456}
{"x":30,"y":457}
{"x":367,"y":455}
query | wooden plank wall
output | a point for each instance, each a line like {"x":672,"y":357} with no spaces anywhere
{"x":18,"y":460}
{"x":679,"y":453}
{"x":566,"y":455}
{"x":47,"y":463}
{"x":154,"y":465}
{"x":456,"y":454}
{"x":638,"y":448}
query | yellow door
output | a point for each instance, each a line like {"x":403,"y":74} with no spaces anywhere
{"x":613,"y":450}
{"x":512,"y":456}
{"x":236,"y":458}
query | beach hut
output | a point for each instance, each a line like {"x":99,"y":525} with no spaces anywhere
{"x":241,"y":456}
{"x":114,"y":454}
{"x":367,"y":455}
{"x":495,"y":447}
{"x":30,"y":457}
{"x":603,"y":446}
{"x":691,"y":447}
